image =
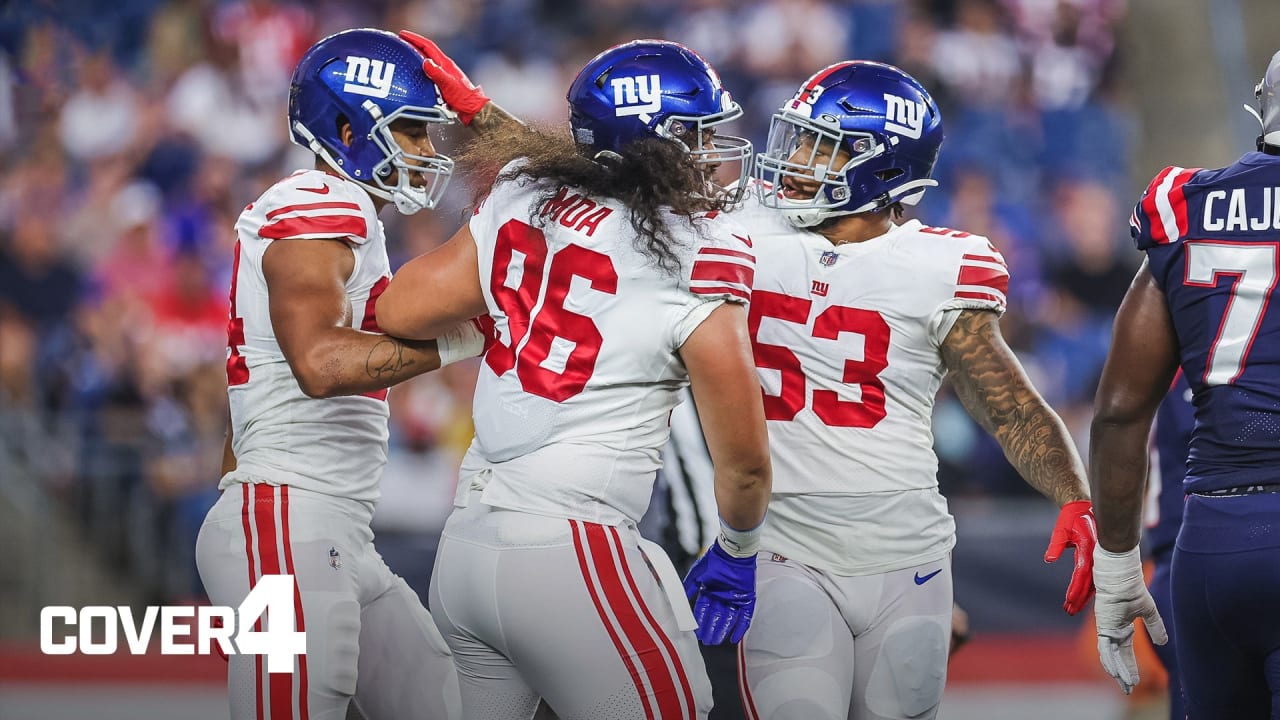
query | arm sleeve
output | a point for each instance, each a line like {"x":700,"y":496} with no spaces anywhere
{"x":297,"y":211}
{"x":723,"y":264}
{"x":693,"y":316}
{"x":981,"y":282}
{"x":722,"y":269}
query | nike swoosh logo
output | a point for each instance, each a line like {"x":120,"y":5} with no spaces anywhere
{"x":926,"y":578}
{"x":322,"y":190}
{"x":746,"y":240}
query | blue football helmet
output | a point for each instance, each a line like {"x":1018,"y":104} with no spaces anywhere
{"x":656,"y":88}
{"x":369,"y":78}
{"x":879,"y":116}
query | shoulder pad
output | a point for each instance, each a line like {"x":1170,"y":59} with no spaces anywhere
{"x":1160,"y":217}
{"x":313,"y":204}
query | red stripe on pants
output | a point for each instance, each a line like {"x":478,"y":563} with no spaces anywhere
{"x":247,"y":517}
{"x":280,"y":685}
{"x":604,"y":619}
{"x":657,"y":629}
{"x":303,"y":712}
{"x":642,"y":642}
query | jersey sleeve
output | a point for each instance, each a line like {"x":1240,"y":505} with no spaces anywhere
{"x":723,"y":265}
{"x":721,"y":268}
{"x":1160,"y":217}
{"x":979,"y":281}
{"x":315,"y":205}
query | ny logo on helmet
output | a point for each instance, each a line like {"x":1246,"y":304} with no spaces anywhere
{"x":369,"y":77}
{"x":636,"y":95}
{"x":903,"y":116}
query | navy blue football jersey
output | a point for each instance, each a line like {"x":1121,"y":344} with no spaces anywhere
{"x":1212,"y":238}
{"x":1169,"y":443}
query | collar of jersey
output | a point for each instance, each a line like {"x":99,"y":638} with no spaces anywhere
{"x":824,"y":244}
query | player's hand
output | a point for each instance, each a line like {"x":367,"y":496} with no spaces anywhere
{"x":1122,"y":598}
{"x":725,"y":587}
{"x":459,"y":93}
{"x":1075,"y":528}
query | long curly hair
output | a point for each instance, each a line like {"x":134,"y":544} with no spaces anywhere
{"x":650,"y":177}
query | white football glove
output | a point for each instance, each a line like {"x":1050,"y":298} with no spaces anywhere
{"x":1122,"y":598}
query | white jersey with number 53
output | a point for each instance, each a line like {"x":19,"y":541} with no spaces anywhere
{"x":573,"y":401}
{"x":847,"y":344}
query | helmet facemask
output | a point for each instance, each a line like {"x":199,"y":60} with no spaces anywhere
{"x":435,"y":170}
{"x":713,"y":153}
{"x":805,"y":150}
{"x":802,"y":149}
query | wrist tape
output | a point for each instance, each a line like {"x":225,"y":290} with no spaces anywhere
{"x":464,"y":341}
{"x":740,"y":543}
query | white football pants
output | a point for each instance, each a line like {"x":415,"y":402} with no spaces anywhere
{"x":368,"y":636}
{"x":570,"y":611}
{"x":832,"y":647}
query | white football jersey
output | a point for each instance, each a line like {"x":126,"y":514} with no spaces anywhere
{"x":573,"y":401}
{"x":337,"y":445}
{"x":847,"y":344}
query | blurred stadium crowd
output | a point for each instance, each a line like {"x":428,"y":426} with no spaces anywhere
{"x":132,"y":134}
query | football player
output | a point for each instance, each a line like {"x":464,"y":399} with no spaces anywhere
{"x":307,"y":376}
{"x":614,"y":278}
{"x":855,"y":319}
{"x":1201,"y":301}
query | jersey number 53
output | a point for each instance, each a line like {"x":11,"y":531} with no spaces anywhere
{"x":829,"y":325}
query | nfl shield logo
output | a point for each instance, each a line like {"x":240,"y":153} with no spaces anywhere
{"x":335,"y":558}
{"x":829,"y":258}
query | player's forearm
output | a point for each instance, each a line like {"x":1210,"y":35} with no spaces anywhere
{"x":742,"y":494}
{"x":413,"y":324}
{"x":1037,"y":444}
{"x":994,"y":388}
{"x":1141,"y":365}
{"x":349,"y":362}
{"x":1118,"y":466}
{"x":493,"y":121}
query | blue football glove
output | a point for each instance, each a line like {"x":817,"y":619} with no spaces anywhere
{"x":725,"y":587}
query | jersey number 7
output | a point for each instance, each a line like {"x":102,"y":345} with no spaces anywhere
{"x":1254,"y":268}
{"x":829,"y":325}
{"x":532,"y":335}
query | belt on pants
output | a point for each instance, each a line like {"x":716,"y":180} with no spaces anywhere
{"x":1242,"y":490}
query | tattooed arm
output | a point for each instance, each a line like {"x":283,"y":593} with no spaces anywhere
{"x":997,"y":393}
{"x":493,"y":122}
{"x":311,"y":318}
{"x":464,"y":97}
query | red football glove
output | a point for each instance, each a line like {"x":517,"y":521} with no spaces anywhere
{"x":1075,"y":528}
{"x":456,"y":88}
